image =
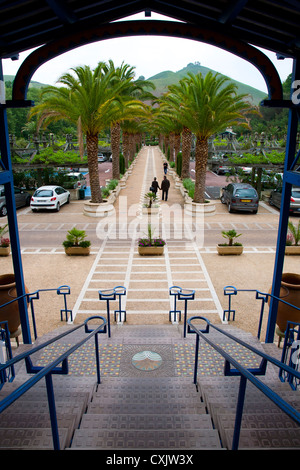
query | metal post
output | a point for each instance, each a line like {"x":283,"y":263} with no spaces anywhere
{"x":284,"y":212}
{"x":11,"y":214}
{"x":52,"y":410}
{"x":239,"y":413}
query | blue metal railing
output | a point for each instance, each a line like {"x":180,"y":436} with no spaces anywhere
{"x":48,"y":370}
{"x":31,"y":296}
{"x":243,"y":373}
{"x":290,"y":354}
{"x":180,"y":294}
{"x":5,"y":354}
{"x":263,"y":296}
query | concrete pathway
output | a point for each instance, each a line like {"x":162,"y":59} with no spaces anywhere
{"x":147,"y":279}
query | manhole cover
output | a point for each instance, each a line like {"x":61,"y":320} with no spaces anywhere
{"x":147,"y":360}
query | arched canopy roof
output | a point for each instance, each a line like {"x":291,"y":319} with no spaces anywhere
{"x":158,"y":28}
{"x":271,"y":24}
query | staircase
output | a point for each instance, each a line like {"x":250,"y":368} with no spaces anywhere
{"x":152,"y":410}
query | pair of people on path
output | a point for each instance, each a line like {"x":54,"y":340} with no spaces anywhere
{"x":164,"y":187}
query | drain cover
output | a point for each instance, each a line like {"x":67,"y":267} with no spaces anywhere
{"x":147,"y":360}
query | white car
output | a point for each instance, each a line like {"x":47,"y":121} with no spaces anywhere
{"x":49,"y":197}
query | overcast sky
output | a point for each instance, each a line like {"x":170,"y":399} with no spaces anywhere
{"x":151,"y":55}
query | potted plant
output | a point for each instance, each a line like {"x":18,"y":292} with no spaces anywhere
{"x":151,"y":245}
{"x":150,"y":199}
{"x":75,"y":243}
{"x":292,"y":246}
{"x":4,"y":241}
{"x":230,"y":248}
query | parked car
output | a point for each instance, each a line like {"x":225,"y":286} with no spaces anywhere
{"x":222,"y":169}
{"x":49,"y":197}
{"x":275,"y":198}
{"x":22,"y":198}
{"x":74,"y":180}
{"x":240,"y":196}
{"x":102,"y":158}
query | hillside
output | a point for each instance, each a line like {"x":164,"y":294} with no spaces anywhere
{"x":10,"y":78}
{"x":163,"y":79}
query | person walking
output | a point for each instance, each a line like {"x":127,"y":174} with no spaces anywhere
{"x":165,"y":185}
{"x":165,"y":168}
{"x":154,"y":185}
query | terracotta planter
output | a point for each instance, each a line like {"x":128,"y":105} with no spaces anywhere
{"x":230,"y":250}
{"x":77,"y":251}
{"x":4,"y":250}
{"x":8,"y":292}
{"x":289,"y":292}
{"x":292,"y":250}
{"x":151,"y":250}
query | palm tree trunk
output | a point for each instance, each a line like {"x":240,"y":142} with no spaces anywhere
{"x":186,"y":152}
{"x":201,"y":156}
{"x":115,"y":150}
{"x":126,"y":148}
{"x":177,"y":145}
{"x":92,"y":155}
{"x":172,"y":144}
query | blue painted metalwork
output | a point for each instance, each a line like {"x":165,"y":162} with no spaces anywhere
{"x":244,"y":373}
{"x":174,"y":290}
{"x":263,"y":296}
{"x":31,"y":296}
{"x":12,"y":217}
{"x":111,"y":294}
{"x":120,"y":291}
{"x":5,"y":354}
{"x":47,"y":371}
{"x":290,"y":353}
{"x":289,"y":178}
{"x":181,"y":294}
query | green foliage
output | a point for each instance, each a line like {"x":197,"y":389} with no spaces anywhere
{"x":122,"y":164}
{"x":48,"y":156}
{"x":151,"y":197}
{"x":248,"y":158}
{"x":76,"y":237}
{"x":189,"y":185}
{"x":231,"y":235}
{"x":295,"y":231}
{"x":179,"y":163}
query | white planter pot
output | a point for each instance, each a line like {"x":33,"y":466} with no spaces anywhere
{"x":103,"y":209}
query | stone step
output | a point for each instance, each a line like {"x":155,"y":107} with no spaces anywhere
{"x":31,"y":439}
{"x":89,"y":439}
{"x":257,"y":421}
{"x":36,"y":421}
{"x":144,"y":422}
{"x":275,"y":439}
{"x":145,"y":408}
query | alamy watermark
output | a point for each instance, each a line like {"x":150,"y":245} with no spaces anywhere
{"x":169,"y":221}
{"x":296,"y":93}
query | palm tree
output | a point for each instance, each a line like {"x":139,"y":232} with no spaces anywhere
{"x":205,"y":105}
{"x":91,"y":100}
{"x":132,"y":94}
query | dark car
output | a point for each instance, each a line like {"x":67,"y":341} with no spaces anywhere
{"x":275,"y":198}
{"x":22,"y":198}
{"x":240,"y":196}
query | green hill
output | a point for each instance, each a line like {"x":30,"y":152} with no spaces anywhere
{"x":10,"y":78}
{"x":163,"y":79}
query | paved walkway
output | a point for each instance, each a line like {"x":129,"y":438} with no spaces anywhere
{"x":147,"y":279}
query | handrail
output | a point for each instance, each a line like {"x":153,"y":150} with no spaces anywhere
{"x":48,"y":370}
{"x":31,"y":296}
{"x":245,"y":374}
{"x":263,"y":296}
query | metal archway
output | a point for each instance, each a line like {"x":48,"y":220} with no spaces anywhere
{"x":157,"y":28}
